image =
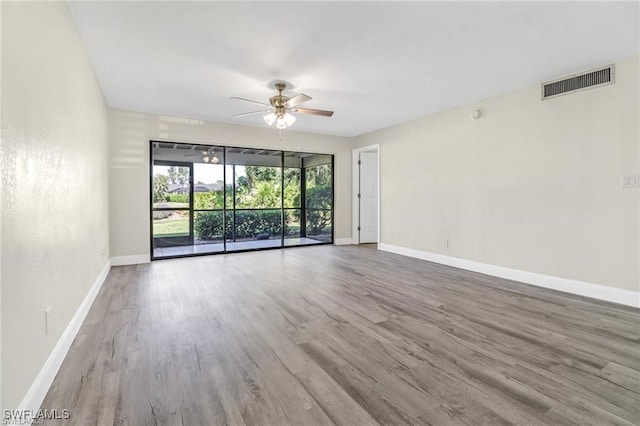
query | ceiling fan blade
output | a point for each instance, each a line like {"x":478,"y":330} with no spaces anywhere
{"x":249,"y":100}
{"x":249,"y":113}
{"x":313,"y":112}
{"x":296,"y":100}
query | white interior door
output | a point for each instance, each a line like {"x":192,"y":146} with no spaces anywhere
{"x":368,"y":197}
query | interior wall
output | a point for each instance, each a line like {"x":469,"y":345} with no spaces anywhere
{"x":531,"y":185}
{"x":130,"y":133}
{"x":55,"y":237}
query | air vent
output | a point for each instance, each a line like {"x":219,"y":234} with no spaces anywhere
{"x":587,"y":80}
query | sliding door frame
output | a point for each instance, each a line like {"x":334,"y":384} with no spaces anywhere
{"x":282,"y":207}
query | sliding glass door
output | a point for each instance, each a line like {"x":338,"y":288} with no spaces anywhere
{"x":292,"y":205}
{"x":319,"y":198}
{"x":209,"y":199}
{"x":171,"y":193}
{"x":256,"y":201}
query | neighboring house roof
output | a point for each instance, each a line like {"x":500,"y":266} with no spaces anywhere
{"x":177,"y":188}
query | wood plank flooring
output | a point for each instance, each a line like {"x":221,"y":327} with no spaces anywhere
{"x":346,"y":336}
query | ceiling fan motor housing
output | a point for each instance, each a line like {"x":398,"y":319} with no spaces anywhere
{"x":278,"y":101}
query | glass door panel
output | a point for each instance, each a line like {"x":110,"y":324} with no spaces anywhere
{"x":256,"y":201}
{"x":318,"y":190}
{"x":171,"y":197}
{"x":208,"y":204}
{"x":292,"y":202}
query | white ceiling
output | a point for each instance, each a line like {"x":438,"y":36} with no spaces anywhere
{"x":374,"y":63}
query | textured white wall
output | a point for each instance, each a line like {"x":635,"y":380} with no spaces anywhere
{"x":55,"y":238}
{"x":130,"y":133}
{"x":531,"y":185}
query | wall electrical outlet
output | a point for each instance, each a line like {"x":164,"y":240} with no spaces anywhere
{"x":445,"y":242}
{"x":630,"y":181}
{"x":47,"y":320}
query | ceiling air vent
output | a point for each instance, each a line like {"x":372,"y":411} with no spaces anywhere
{"x":574,"y":83}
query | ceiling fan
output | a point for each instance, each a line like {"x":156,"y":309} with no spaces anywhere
{"x":280,"y":107}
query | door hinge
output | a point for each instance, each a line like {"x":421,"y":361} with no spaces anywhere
{"x":359,"y":162}
{"x":359,"y":195}
{"x":358,"y":228}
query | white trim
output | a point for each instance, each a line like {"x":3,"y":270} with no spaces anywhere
{"x":40,"y":386}
{"x":342,"y":241}
{"x":596,"y":291}
{"x":355,"y":184}
{"x":130,"y":260}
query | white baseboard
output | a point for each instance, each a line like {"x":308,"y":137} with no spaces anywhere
{"x":40,"y":386}
{"x":130,"y":260}
{"x":342,"y":241}
{"x":596,"y":291}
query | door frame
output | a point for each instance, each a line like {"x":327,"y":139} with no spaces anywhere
{"x":355,"y":189}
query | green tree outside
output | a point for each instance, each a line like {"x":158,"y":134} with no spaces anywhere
{"x":160,"y":188}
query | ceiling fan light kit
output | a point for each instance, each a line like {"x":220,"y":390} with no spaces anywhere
{"x":209,"y":156}
{"x":281,"y":108}
{"x":270,"y":118}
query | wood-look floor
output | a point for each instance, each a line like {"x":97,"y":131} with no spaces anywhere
{"x":346,"y":336}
